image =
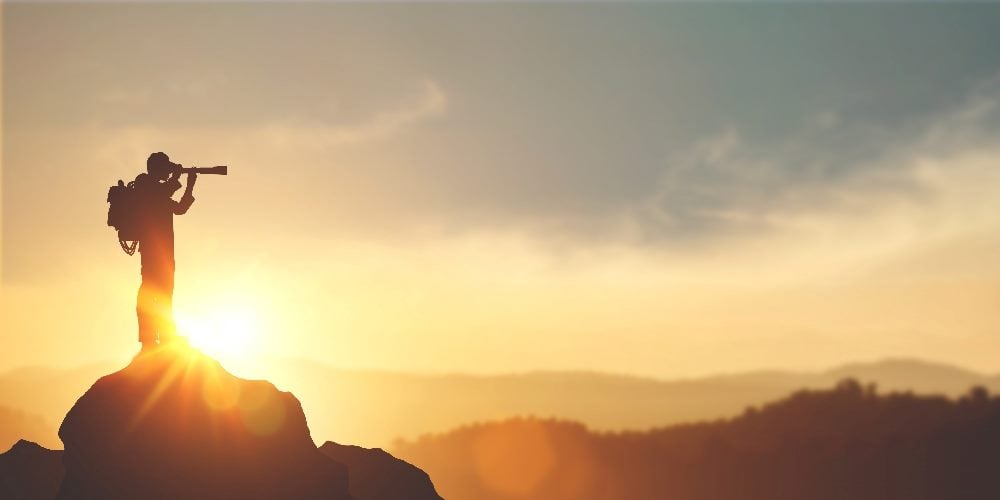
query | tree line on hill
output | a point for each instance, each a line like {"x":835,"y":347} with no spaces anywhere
{"x":849,"y":442}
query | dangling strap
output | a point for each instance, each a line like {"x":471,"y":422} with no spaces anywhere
{"x":129,"y":247}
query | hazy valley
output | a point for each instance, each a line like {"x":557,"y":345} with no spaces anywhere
{"x":376,"y":408}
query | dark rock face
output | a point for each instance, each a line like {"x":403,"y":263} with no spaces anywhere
{"x":174,"y":424}
{"x":377,"y":475}
{"x":30,"y":472}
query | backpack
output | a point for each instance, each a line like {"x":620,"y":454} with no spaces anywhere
{"x":123,"y":214}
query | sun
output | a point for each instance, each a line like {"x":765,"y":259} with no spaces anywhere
{"x":228,"y":333}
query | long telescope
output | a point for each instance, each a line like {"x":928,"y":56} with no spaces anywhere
{"x":217,"y":170}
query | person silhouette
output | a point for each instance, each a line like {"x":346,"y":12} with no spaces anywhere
{"x":155,"y":190}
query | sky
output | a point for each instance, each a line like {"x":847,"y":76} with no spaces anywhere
{"x":668,"y":190}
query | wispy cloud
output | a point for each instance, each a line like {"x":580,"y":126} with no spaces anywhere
{"x":727,"y":183}
{"x":118,"y":146}
{"x":430,"y":101}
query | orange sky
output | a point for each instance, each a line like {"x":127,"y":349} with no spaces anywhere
{"x":433,"y":194}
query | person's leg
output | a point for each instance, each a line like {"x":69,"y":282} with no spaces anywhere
{"x":167,"y":327}
{"x":146,"y":312}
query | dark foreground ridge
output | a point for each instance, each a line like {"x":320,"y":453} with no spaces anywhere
{"x":368,"y":468}
{"x":175,"y":424}
{"x":29,"y":471}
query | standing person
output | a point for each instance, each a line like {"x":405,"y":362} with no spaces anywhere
{"x":155,"y":189}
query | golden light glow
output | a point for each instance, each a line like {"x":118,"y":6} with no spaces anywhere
{"x":515,"y":462}
{"x":229,"y":333}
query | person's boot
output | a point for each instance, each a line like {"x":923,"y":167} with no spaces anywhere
{"x":169,"y":336}
{"x":148,"y":346}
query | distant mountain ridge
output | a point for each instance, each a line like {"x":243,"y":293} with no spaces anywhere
{"x":386,"y":406}
{"x":895,"y":374}
{"x":16,"y":425}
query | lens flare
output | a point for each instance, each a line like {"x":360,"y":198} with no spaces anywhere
{"x":229,"y":334}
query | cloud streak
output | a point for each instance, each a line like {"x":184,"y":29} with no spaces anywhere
{"x":431,"y":101}
{"x":726,"y":187}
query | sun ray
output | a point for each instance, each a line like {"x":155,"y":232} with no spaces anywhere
{"x":164,"y":383}
{"x":229,"y":332}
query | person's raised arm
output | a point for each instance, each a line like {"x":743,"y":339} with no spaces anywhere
{"x":171,"y":185}
{"x":187,"y":198}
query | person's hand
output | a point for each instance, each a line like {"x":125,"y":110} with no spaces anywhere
{"x":192,"y":176}
{"x":175,"y":173}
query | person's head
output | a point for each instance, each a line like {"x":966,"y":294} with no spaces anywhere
{"x":159,"y":166}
